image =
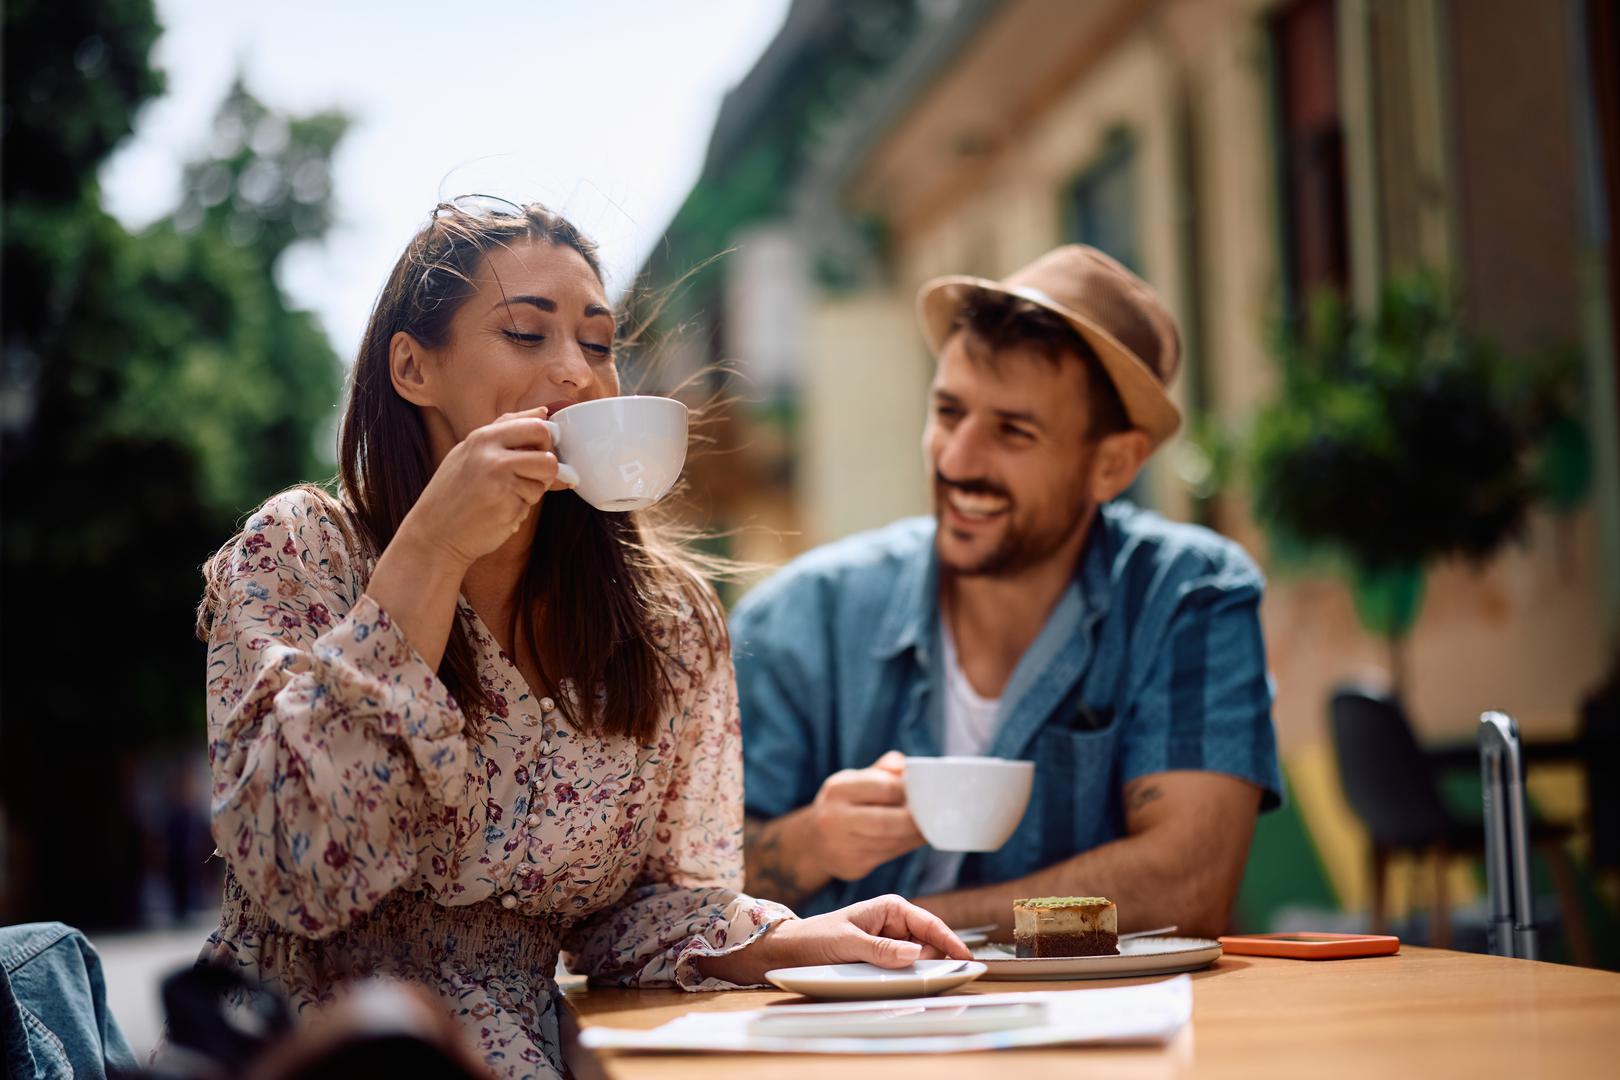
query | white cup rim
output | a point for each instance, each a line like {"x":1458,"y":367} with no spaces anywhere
{"x":619,"y":398}
{"x":963,"y":759}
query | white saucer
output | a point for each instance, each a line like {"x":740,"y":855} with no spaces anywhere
{"x":850,"y":982}
{"x":1139,"y":956}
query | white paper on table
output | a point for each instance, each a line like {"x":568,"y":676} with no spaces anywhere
{"x":1150,"y":1014}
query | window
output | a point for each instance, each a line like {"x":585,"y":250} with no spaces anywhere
{"x":1102,"y":212}
{"x":1311,"y":143}
{"x":1102,"y":201}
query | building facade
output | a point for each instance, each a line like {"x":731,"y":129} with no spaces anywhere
{"x":1241,"y":155}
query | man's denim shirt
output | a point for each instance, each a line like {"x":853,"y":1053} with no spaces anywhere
{"x":1152,"y":660}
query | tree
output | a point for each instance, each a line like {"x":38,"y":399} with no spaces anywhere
{"x":157,"y":385}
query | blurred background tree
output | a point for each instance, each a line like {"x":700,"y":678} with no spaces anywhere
{"x":1402,"y":440}
{"x":155,"y":386}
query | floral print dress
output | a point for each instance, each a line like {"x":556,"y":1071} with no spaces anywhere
{"x":367,"y":833}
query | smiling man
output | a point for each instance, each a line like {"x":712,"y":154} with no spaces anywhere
{"x":1032,"y":617}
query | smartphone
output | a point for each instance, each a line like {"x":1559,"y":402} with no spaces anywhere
{"x":1307,"y":946}
{"x":896,"y":1021}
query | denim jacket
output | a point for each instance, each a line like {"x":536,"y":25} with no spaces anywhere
{"x":1152,"y":660}
{"x":54,"y":1023}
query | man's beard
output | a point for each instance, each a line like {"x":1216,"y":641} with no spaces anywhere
{"x":1020,"y":547}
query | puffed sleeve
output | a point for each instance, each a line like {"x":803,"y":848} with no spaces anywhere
{"x":339,"y":763}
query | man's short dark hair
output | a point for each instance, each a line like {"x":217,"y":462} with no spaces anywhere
{"x":995,"y":321}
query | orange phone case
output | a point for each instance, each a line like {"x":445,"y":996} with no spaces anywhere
{"x":1306,"y":946}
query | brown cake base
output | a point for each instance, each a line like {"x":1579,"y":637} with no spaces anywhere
{"x":1089,"y":943}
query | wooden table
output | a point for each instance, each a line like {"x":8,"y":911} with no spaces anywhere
{"x":1427,"y":1013}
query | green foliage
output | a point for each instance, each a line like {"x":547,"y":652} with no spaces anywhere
{"x":175,"y":346}
{"x":268,"y":182}
{"x":1387,"y":599}
{"x":768,"y":130}
{"x":155,"y":386}
{"x":217,"y":363}
{"x":1401,"y":441}
{"x":75,"y":72}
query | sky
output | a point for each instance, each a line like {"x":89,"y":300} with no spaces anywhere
{"x":599,"y":108}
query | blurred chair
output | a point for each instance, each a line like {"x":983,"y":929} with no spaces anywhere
{"x":1392,"y":788}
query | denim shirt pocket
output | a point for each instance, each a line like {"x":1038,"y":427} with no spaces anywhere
{"x":1075,"y":802}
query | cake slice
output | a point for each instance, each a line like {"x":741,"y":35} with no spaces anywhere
{"x":1065,"y":926}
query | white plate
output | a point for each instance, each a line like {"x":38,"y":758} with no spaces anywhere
{"x":851,"y":982}
{"x":1141,"y":956}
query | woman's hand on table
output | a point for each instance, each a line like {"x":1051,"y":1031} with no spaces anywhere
{"x":885,"y":931}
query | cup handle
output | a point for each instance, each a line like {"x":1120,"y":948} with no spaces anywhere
{"x":567,"y":475}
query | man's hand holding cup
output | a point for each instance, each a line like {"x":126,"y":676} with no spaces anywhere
{"x":861,"y":820}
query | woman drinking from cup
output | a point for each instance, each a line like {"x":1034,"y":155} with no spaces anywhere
{"x":459,"y":719}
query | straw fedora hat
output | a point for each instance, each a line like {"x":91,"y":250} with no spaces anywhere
{"x":1118,"y":314}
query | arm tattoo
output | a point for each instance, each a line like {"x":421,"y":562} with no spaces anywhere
{"x":1138,"y":797}
{"x":768,"y":872}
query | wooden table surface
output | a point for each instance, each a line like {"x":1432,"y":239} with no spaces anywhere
{"x":1425,"y":1013}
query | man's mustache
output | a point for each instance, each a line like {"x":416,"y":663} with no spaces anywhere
{"x":972,"y":487}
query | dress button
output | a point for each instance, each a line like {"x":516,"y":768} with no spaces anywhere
{"x":534,"y":821}
{"x":509,"y":901}
{"x":546,"y":704}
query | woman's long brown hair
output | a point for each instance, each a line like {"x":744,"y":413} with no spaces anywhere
{"x":600,"y":601}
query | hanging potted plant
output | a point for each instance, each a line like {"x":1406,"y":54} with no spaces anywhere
{"x":1402,"y":440}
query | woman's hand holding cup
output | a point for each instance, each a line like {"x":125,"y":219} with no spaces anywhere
{"x":485,"y":488}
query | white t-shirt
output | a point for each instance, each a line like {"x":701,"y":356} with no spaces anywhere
{"x":970,"y":724}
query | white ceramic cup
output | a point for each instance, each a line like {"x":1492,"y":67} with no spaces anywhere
{"x":620,"y":453}
{"x":967,"y":803}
